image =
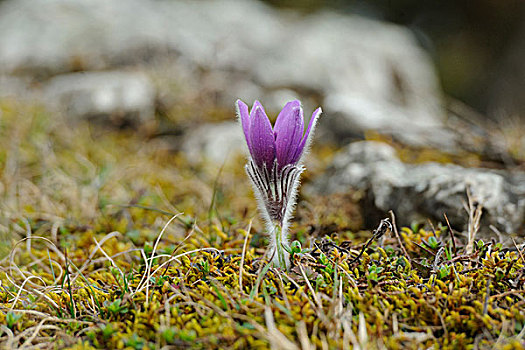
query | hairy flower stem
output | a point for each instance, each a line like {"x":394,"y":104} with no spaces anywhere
{"x":276,"y":194}
{"x":278,"y":246}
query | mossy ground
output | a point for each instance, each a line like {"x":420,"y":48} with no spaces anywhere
{"x":113,"y":240}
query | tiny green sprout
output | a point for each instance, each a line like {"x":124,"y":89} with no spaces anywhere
{"x":107,"y":330}
{"x":319,"y":282}
{"x":12,"y":318}
{"x":160,"y":280}
{"x":480,"y":244}
{"x":499,"y":274}
{"x":519,"y":326}
{"x":154,"y":280}
{"x":136,"y":342}
{"x":323,"y":259}
{"x":148,"y":248}
{"x":130,"y":277}
{"x":296,"y":247}
{"x":115,"y":307}
{"x":373,"y":273}
{"x":432,"y":242}
{"x":205,"y":266}
{"x":73,"y":326}
{"x":443,"y":272}
{"x":442,"y":228}
{"x":91,"y":335}
{"x":272,"y":290}
{"x":188,"y":222}
{"x":415,"y":226}
{"x":64,"y":230}
{"x":498,"y":246}
{"x":389,"y":250}
{"x":448,"y":253}
{"x":401,"y":262}
{"x":328,"y":266}
{"x":247,"y":325}
{"x":188,"y":335}
{"x":169,"y":335}
{"x":133,"y":235}
{"x":169,"y":249}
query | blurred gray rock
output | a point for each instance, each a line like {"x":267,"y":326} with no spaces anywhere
{"x":44,"y":37}
{"x":372,"y":75}
{"x":215,"y":143}
{"x":14,"y":87}
{"x":428,"y":190}
{"x":120,"y":96}
{"x":366,"y":74}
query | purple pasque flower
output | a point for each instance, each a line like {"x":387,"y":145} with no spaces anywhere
{"x":274,"y":166}
{"x":285,"y":143}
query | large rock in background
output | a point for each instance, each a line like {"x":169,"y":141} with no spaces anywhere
{"x":427,"y":190}
{"x":215,"y":143}
{"x":45,"y":38}
{"x":117,"y":95}
{"x":366,"y":74}
{"x":379,"y":79}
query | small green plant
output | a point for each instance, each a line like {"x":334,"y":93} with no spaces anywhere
{"x":12,"y":318}
{"x":328,"y":266}
{"x":107,"y":330}
{"x":169,"y":335}
{"x":415,"y":226}
{"x":320,"y":282}
{"x":499,"y":273}
{"x":443,"y":272}
{"x":374,"y":273}
{"x":116,"y":307}
{"x":119,"y":276}
{"x":188,"y":335}
{"x":148,"y":248}
{"x":295,"y":247}
{"x":205,"y":266}
{"x":296,"y":250}
{"x":158,"y":281}
{"x":448,"y":253}
{"x":432,"y":243}
{"x":136,"y":342}
{"x":400,"y":261}
{"x":480,"y":244}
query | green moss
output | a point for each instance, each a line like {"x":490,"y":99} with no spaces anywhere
{"x":88,"y":268}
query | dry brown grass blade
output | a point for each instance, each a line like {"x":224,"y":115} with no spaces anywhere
{"x":398,"y":236}
{"x":474,"y":211}
{"x":243,"y":256}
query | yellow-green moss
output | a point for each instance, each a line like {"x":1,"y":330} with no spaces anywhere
{"x":86,"y":264}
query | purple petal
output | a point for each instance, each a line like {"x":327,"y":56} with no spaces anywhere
{"x":254,"y":107}
{"x":284,"y":116}
{"x":261,"y":137}
{"x":244,"y":116}
{"x":288,"y":132}
{"x":307,"y":138}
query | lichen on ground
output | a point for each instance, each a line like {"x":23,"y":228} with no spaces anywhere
{"x":112,"y":240}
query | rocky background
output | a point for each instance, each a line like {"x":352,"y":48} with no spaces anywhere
{"x":163,"y":67}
